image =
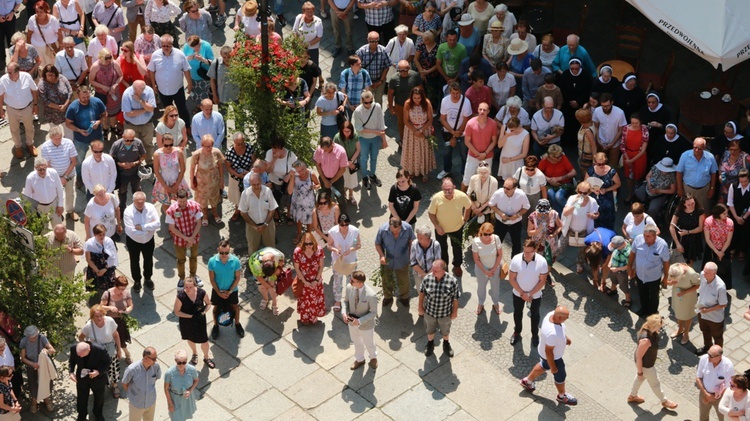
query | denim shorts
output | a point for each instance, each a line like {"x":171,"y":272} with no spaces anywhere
{"x":561,"y":374}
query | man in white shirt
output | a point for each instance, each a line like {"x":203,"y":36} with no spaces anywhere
{"x":71,"y":62}
{"x":141,"y":223}
{"x":609,"y":121}
{"x":712,"y":294}
{"x":166,"y":69}
{"x":18,"y":93}
{"x":256,"y":207}
{"x":61,"y":155}
{"x":98,"y":168}
{"x":527,"y":275}
{"x":547,"y":126}
{"x":509,"y":204}
{"x":551,"y":349}
{"x":43,"y":185}
{"x":455,"y":111}
{"x":713,"y":377}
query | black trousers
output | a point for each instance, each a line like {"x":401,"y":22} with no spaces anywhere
{"x":135,"y":250}
{"x":649,"y":294}
{"x":179,"y":101}
{"x":515,"y":235}
{"x":518,"y":306}
{"x":7,"y":29}
{"x":95,"y":386}
{"x":124,"y":180}
{"x":385,"y":33}
{"x":456,"y":246}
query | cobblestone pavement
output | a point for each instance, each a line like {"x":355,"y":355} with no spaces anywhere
{"x":282,"y":370}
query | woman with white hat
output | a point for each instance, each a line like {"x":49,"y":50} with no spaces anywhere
{"x":660,"y":185}
{"x":468,"y":35}
{"x":495,"y":45}
{"x":520,"y":59}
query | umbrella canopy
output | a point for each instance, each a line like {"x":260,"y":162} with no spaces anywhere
{"x":718,"y":31}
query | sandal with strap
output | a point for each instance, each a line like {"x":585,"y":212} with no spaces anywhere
{"x":263,"y":304}
{"x":275,"y":310}
{"x":116,"y":392}
{"x":194,"y":359}
{"x":626,"y":303}
{"x":209,"y":362}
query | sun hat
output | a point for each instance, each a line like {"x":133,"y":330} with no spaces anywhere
{"x":517,"y":46}
{"x":616,"y":242}
{"x":666,"y":165}
{"x":466,"y":20}
{"x":497,"y":25}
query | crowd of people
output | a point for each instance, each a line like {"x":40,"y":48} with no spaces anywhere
{"x":466,"y":73}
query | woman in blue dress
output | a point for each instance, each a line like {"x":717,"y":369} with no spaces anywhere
{"x":605,"y":196}
{"x":180,"y":382}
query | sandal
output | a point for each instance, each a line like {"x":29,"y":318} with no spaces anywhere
{"x":626,"y":303}
{"x":275,"y":310}
{"x":263,"y":304}
{"x":336,"y":306}
{"x":116,"y":392}
{"x":496,"y":307}
{"x":676,"y":333}
{"x":194,"y":359}
{"x":480,"y":310}
{"x":204,"y":222}
{"x":353,"y":201}
{"x":217,"y":219}
{"x":209,"y":362}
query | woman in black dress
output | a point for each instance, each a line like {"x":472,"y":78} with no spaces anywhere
{"x":191,"y":306}
{"x":605,"y":82}
{"x":687,"y":229}
{"x":576,"y":88}
{"x":655,"y":116}
{"x":403,"y":199}
{"x":671,"y":145}
{"x":629,"y":96}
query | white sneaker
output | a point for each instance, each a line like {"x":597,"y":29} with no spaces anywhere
{"x":198,"y":282}
{"x":356,"y":17}
{"x":441,"y":175}
{"x":323,"y":14}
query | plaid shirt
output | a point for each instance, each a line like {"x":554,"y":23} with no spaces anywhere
{"x":184,"y":220}
{"x":439,"y":295}
{"x":620,"y":257}
{"x":375,"y":62}
{"x":377,"y":17}
{"x":353,"y":85}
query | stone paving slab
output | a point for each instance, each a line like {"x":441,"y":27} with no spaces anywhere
{"x":421,"y":402}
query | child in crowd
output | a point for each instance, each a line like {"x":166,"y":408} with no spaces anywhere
{"x":259,"y":166}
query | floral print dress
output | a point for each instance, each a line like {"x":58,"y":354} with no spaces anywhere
{"x":418,"y":157}
{"x":169,"y":167}
{"x":548,"y":220}
{"x":606,"y":201}
{"x":303,"y":199}
{"x":208,"y":192}
{"x":312,"y":303}
{"x":729,"y":171}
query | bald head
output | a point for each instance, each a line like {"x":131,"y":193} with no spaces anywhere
{"x":60,"y":232}
{"x":560,"y":315}
{"x":139,"y":86}
{"x":83,"y":349}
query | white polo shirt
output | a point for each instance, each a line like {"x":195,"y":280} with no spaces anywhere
{"x":509,"y":205}
{"x":544,"y":126}
{"x":710,"y":374}
{"x":711,"y":294}
{"x":608,"y":124}
{"x":255,"y":207}
{"x":18,"y":94}
{"x":169,"y":70}
{"x":71,"y":67}
{"x":528,"y":273}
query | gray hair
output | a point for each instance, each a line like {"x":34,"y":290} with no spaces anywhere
{"x":401,"y":29}
{"x":180,"y":354}
{"x":424,"y":230}
{"x":68,"y":40}
{"x":514,"y":101}
{"x":166,"y":38}
{"x":330,"y":86}
{"x":237,"y":136}
{"x":225,"y":50}
{"x":500,"y":8}
{"x":55,"y":131}
{"x":139,"y":195}
{"x":39,"y":161}
{"x":101,"y":29}
{"x":711,"y":266}
{"x":650,"y":228}
{"x":573,"y":38}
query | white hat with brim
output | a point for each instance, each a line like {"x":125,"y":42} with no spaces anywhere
{"x":666,"y":165}
{"x":466,"y":20}
{"x":517,"y":46}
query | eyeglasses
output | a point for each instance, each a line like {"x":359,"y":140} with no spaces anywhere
{"x":173,"y":115}
{"x":373,"y":41}
{"x":125,"y":50}
{"x":223,"y":253}
{"x":713,"y":356}
{"x":151,"y":358}
{"x":168,"y":145}
{"x":180,"y":362}
{"x":583,"y":192}
{"x":529,"y":169}
{"x":97,"y":152}
{"x":343,"y":224}
{"x":307,"y":244}
{"x":486,"y":234}
{"x":127,"y":140}
{"x":484,"y":164}
{"x":107,"y":57}
{"x":367,"y":102}
{"x":42,"y":169}
{"x":166,"y":46}
{"x":508,"y":188}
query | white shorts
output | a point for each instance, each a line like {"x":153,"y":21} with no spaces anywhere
{"x":471,"y":168}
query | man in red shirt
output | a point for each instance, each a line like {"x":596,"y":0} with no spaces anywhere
{"x":331,"y":161}
{"x":184,"y":220}
{"x":480,"y":137}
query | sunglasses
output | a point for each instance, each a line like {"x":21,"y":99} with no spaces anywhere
{"x":307,"y":244}
{"x":128,"y":140}
{"x":125,"y":50}
{"x":367,"y":102}
{"x":529,"y":169}
{"x":484,"y":164}
{"x":600,"y":165}
{"x":223,"y":253}
{"x":343,"y":224}
{"x":107,"y":57}
{"x":374,"y":41}
{"x":322,"y":203}
{"x":97,"y":152}
{"x":583,"y":192}
{"x":403,"y":70}
{"x":168,"y":145}
{"x":180,"y":362}
{"x":173,"y":115}
{"x":486,"y":234}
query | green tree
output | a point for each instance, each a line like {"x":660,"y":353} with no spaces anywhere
{"x":257,"y":111}
{"x":32,"y":288}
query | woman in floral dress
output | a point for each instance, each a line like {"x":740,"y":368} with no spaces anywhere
{"x":425,"y":61}
{"x":733,"y":160}
{"x":106,"y":77}
{"x":544,"y":228}
{"x":169,"y":169}
{"x":207,"y":173}
{"x":308,"y":265}
{"x":55,"y":94}
{"x":418,"y":155}
{"x":302,"y":186}
{"x":604,"y":196}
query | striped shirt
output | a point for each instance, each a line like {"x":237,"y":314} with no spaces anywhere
{"x":59,"y":157}
{"x":374,"y":62}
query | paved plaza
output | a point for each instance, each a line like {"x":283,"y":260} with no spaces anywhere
{"x":284,"y":370}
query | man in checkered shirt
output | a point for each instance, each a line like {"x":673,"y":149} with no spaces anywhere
{"x":438,"y":302}
{"x":379,"y":17}
{"x":377,"y":61}
{"x":184,"y":220}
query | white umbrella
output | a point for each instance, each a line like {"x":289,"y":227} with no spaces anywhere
{"x":716,"y":30}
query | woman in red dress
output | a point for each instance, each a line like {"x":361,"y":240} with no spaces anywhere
{"x":308,"y":264}
{"x":633,"y":148}
{"x":132,"y":65}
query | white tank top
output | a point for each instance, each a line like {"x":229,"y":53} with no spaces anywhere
{"x":68,"y":15}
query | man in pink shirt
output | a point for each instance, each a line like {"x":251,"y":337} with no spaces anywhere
{"x":480,"y":137}
{"x":331,"y":161}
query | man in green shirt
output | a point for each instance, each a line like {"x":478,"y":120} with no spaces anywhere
{"x":449,"y":56}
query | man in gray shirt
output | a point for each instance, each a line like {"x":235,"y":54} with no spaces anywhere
{"x":139,"y":382}
{"x":128,"y":154}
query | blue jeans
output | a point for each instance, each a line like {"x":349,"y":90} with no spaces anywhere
{"x":448,"y":157}
{"x":557,"y":198}
{"x":82,"y":148}
{"x":278,"y":7}
{"x":369,"y":149}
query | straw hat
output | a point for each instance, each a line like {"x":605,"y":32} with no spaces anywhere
{"x":250,"y":8}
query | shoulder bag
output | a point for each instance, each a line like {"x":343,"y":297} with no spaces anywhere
{"x":53,"y":46}
{"x":341,"y":117}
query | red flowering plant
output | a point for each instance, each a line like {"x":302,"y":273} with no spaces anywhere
{"x":258,"y":111}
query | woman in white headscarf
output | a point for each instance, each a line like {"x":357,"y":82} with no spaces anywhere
{"x":606,"y":82}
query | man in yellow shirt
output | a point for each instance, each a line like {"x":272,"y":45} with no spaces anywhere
{"x":449,"y":210}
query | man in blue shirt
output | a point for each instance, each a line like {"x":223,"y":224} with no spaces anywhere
{"x":571,"y":50}
{"x":139,"y":382}
{"x":224,"y":271}
{"x":696,"y":173}
{"x":138,"y":104}
{"x":84,"y":117}
{"x":353,"y":81}
{"x":393,"y":243}
{"x":648,"y":262}
{"x":206,"y":122}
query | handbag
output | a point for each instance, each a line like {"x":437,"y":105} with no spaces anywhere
{"x":203,"y":72}
{"x":356,"y":167}
{"x":340,"y":117}
{"x":297,"y":287}
{"x":576,"y":239}
{"x":284,"y":281}
{"x":504,"y":269}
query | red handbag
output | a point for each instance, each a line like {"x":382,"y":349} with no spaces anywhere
{"x":284,"y":281}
